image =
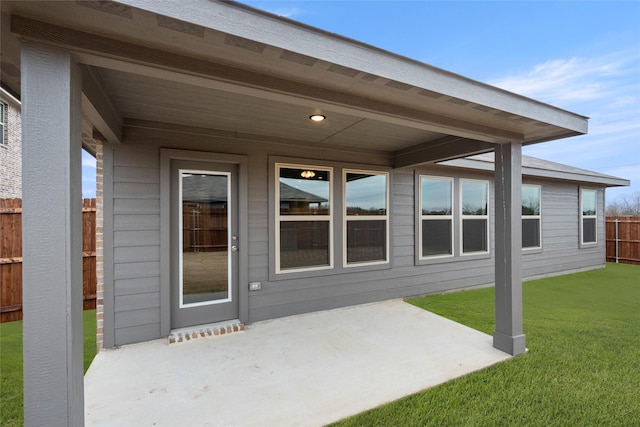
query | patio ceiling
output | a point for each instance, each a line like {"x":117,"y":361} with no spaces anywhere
{"x":246,"y":74}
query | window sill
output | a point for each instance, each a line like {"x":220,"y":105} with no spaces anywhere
{"x":475,"y":255}
{"x":452,"y":259}
{"x":336,"y":271}
{"x":588,"y":245}
{"x":529,"y":251}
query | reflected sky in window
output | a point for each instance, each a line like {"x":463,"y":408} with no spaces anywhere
{"x":436,"y":196}
{"x":474,"y":198}
{"x":367,"y":192}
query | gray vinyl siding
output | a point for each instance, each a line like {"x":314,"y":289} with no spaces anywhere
{"x":136,"y":244}
{"x":561,"y":232}
{"x":136,"y":282}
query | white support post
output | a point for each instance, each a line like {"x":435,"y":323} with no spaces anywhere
{"x":508,"y":335}
{"x":52,"y":237}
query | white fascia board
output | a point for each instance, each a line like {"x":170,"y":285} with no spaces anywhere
{"x":593,"y":177}
{"x":253,"y":24}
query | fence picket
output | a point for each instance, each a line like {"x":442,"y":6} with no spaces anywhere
{"x":627,"y":242}
{"x":11,"y":257}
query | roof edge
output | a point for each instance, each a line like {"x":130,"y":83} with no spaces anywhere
{"x":6,"y":95}
{"x":579,"y":175}
{"x":248,"y":22}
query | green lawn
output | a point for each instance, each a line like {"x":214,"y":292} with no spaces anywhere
{"x":11,"y":366}
{"x":582,"y":368}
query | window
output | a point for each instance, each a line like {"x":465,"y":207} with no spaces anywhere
{"x":366,"y":215}
{"x":304,"y":220}
{"x":436,"y":217}
{"x":475,"y":216}
{"x":588,"y":216}
{"x":3,"y":116}
{"x":531,"y":217}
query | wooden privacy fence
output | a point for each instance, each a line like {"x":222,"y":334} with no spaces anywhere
{"x":204,"y":229}
{"x":11,"y":257}
{"x":623,"y":239}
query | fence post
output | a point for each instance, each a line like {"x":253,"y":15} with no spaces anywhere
{"x":617,"y":221}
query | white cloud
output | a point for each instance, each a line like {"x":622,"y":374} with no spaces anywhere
{"x":285,"y":12}
{"x":289,"y":12}
{"x":604,"y":88}
{"x":568,"y":81}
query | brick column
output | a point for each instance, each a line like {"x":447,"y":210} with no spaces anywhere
{"x":99,"y":247}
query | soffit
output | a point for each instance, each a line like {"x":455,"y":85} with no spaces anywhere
{"x":366,"y":110}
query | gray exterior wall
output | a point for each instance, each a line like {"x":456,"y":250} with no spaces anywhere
{"x":561,"y":232}
{"x":133,"y":307}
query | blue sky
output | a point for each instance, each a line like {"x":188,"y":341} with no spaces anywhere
{"x":580,"y":56}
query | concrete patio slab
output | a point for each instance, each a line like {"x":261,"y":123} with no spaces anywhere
{"x":306,"y":370}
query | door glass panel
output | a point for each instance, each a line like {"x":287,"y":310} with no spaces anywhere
{"x":204,"y":219}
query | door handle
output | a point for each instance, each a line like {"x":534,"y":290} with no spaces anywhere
{"x":234,"y":248}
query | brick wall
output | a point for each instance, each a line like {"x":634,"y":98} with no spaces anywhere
{"x":99,"y":248}
{"x":11,"y":150}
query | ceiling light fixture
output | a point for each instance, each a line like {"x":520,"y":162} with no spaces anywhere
{"x":317,"y":117}
{"x":308,"y":174}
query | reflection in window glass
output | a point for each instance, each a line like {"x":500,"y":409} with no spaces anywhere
{"x":588,"y":230}
{"x":475,"y":220}
{"x":304,"y":217}
{"x":589,"y":216}
{"x":366,"y":241}
{"x":436,"y":237}
{"x":304,"y":244}
{"x":436,"y":196}
{"x":530,"y":233}
{"x":530,"y":200}
{"x":366,"y":194}
{"x":531,"y":216}
{"x":474,"y":235}
{"x":588,"y":202}
{"x":204,"y":222}
{"x":474,"y":198}
{"x":366,"y":222}
{"x":304,"y":191}
{"x":436,"y":206}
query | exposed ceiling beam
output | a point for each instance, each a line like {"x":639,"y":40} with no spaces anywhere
{"x":98,"y":107}
{"x":141,"y":59}
{"x":447,"y":148}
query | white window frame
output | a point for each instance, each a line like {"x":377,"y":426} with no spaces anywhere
{"x":3,"y":117}
{"x":291,"y":218}
{"x":536,"y":217}
{"x":347,"y":218}
{"x":423,"y":217}
{"x":583,"y":217}
{"x":486,"y":217}
{"x":181,"y":302}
